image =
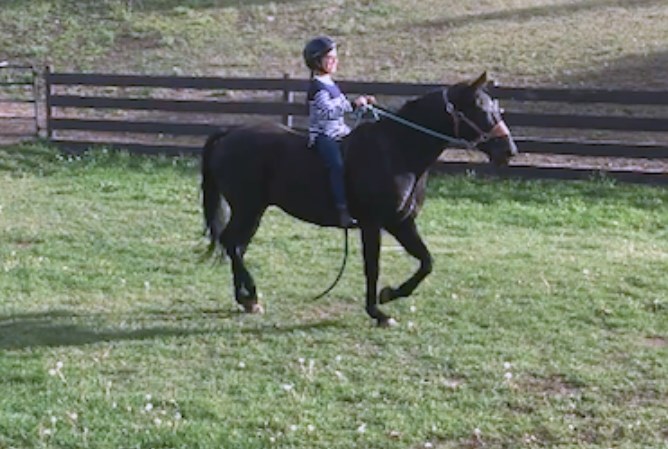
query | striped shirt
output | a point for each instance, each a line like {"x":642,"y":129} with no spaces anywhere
{"x":327,"y":106}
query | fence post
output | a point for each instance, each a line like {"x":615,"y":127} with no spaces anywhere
{"x":35,"y":97}
{"x":288,"y":97}
{"x":47,"y":102}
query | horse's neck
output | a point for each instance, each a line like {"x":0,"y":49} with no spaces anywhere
{"x":418,"y":149}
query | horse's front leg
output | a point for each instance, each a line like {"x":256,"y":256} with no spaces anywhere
{"x":371,"y":251}
{"x":407,"y":235}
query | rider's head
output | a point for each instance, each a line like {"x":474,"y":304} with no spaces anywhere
{"x":320,"y":55}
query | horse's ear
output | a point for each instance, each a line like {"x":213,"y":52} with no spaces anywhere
{"x":480,"y":82}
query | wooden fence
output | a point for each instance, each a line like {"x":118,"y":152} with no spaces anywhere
{"x":562,"y":133}
{"x":18,"y":103}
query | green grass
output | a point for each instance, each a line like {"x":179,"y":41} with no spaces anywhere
{"x":544,"y":323}
{"x":606,"y":43}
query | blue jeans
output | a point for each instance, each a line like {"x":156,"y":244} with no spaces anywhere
{"x":330,"y":152}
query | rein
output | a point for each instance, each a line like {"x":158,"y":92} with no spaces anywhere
{"x":452,"y":140}
{"x":343,"y":267}
{"x":499,"y":130}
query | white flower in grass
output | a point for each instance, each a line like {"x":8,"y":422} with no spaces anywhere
{"x":507,"y":365}
{"x":242,"y":365}
{"x":508,"y":375}
{"x":287,"y":387}
{"x":413,"y":309}
{"x":294,"y":427}
{"x":73,"y":416}
{"x":57,"y":371}
{"x":310,"y":428}
{"x":428,"y":445}
{"x":157,"y":421}
{"x":361,"y":428}
{"x":148,"y":407}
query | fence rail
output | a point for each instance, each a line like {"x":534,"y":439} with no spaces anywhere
{"x":18,"y":103}
{"x":89,"y":109}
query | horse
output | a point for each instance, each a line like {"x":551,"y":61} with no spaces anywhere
{"x":247,"y":169}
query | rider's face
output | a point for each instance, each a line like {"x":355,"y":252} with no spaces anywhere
{"x":329,"y":62}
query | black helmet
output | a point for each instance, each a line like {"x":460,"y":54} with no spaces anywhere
{"x":315,"y":49}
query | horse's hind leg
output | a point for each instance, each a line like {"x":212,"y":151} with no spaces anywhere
{"x":235,"y":239}
{"x":407,"y":235}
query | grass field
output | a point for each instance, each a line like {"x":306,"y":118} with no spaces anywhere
{"x":605,"y":43}
{"x":544,"y":324}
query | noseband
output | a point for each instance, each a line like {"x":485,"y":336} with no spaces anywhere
{"x":498,"y":130}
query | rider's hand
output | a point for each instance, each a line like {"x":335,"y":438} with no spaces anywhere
{"x":364,"y":100}
{"x":360,"y":101}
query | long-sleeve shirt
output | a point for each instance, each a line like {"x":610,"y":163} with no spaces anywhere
{"x":327,"y":107}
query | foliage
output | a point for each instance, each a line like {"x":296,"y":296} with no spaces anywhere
{"x":543,"y":325}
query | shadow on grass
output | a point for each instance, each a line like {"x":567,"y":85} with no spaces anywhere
{"x":162,"y":5}
{"x":536,"y":11}
{"x":64,"y":328}
{"x":539,"y":192}
{"x":42,"y":158}
{"x":28,"y":157}
{"x":639,"y":72}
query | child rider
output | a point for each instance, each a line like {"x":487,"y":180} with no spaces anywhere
{"x":327,"y":106}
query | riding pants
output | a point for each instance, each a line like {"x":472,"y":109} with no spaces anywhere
{"x":330,"y":152}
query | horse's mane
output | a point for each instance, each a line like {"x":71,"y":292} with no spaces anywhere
{"x":409,"y":106}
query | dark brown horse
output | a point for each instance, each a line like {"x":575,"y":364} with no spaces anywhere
{"x":386,"y":165}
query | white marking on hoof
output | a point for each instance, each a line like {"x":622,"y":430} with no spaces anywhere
{"x":257,"y":309}
{"x":390,"y":322}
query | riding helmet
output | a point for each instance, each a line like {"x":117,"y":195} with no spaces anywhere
{"x":315,"y":49}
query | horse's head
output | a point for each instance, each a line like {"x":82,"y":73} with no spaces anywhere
{"x":477,"y":119}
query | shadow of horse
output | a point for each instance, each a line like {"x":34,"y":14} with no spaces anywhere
{"x":60,"y":328}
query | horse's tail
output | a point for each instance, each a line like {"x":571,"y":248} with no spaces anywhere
{"x":211,"y":192}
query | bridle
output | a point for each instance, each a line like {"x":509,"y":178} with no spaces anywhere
{"x":499,"y":130}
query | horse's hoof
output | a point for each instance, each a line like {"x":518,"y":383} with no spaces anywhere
{"x":387,"y":323}
{"x":386,"y":295}
{"x":253,"y":307}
